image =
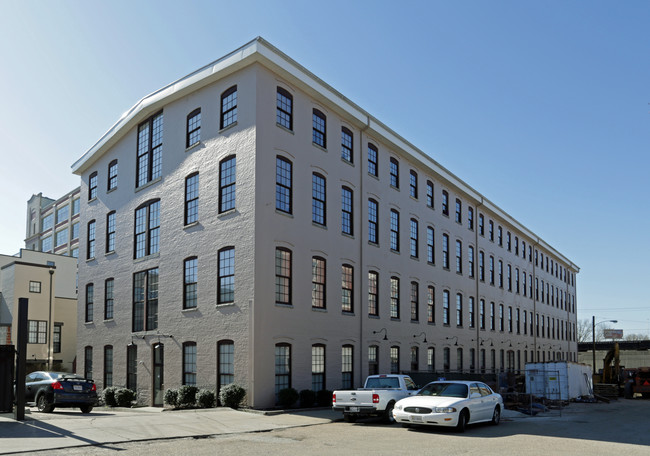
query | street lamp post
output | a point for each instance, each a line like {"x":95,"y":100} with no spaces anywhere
{"x":593,"y":338}
{"x":49,"y":329}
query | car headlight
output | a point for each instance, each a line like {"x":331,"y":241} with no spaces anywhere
{"x":398,"y":407}
{"x":444,"y":410}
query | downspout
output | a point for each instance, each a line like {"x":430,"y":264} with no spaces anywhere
{"x":535,"y":302}
{"x":478,"y":300}
{"x":361,"y":267}
{"x":49,"y":323}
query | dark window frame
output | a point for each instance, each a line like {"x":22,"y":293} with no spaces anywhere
{"x":92,"y":186}
{"x":319,"y":128}
{"x":287,"y":279}
{"x":283,"y":190}
{"x":193,"y":128}
{"x":190,"y":282}
{"x":347,"y":211}
{"x":191,"y":211}
{"x":227,"y":184}
{"x":226,"y":275}
{"x":89,"y":303}
{"x":151,"y":233}
{"x":373,"y":160}
{"x":111,"y":182}
{"x":347,"y":288}
{"x":146,"y":169}
{"x":189,"y":369}
{"x":111,"y":224}
{"x":228,"y":112}
{"x":109,"y":298}
{"x":284,"y":108}
{"x":347,"y":145}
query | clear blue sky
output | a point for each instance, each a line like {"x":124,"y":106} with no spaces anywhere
{"x":540,"y":106}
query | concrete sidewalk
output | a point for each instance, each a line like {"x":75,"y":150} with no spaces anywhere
{"x":65,"y":429}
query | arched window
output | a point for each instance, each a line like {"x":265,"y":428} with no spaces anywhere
{"x":347,"y":145}
{"x":284,"y":109}
{"x":225,"y":363}
{"x":112,"y":175}
{"x":319,"y":128}
{"x":227,"y":183}
{"x":229,"y":107}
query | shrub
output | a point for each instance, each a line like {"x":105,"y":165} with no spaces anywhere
{"x":324,"y":398}
{"x":287,"y":397}
{"x":187,"y":396}
{"x":205,"y":398}
{"x":124,"y":397}
{"x":109,"y":396}
{"x":171,"y":397}
{"x":307,"y":398}
{"x":231,"y":395}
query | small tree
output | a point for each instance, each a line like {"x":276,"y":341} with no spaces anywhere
{"x":171,"y":397}
{"x":109,"y":396}
{"x":307,"y":398}
{"x":187,"y":396}
{"x":324,"y":398}
{"x":231,"y":395}
{"x":124,"y":397}
{"x":287,"y":397}
{"x":205,"y":398}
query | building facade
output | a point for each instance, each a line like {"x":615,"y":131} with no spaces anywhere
{"x":265,"y":230}
{"x":48,"y":282}
{"x":53,"y":225}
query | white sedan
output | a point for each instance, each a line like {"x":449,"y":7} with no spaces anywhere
{"x":450,"y":403}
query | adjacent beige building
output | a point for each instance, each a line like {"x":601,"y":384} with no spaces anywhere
{"x":264,"y":229}
{"x":48,"y":282}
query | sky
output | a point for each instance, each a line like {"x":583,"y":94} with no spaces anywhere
{"x":541,"y":106}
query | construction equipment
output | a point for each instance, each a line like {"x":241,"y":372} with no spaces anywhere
{"x":609,"y":384}
{"x":637,"y":381}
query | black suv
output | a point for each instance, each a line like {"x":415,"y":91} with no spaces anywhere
{"x":60,"y":389}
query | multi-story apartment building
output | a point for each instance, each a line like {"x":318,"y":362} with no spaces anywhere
{"x":53,"y":225}
{"x":264,"y":229}
{"x":48,"y":282}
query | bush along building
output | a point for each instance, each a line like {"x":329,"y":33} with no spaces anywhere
{"x":263,"y":229}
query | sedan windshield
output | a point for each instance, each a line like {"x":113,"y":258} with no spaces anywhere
{"x":444,"y":390}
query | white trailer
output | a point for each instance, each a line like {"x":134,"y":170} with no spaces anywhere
{"x":559,"y":380}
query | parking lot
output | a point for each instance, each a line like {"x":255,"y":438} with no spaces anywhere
{"x":621,"y":427}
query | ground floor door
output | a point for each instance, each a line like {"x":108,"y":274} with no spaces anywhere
{"x":158,"y":381}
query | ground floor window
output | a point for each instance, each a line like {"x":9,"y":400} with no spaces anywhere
{"x":282,"y":367}
{"x":88,"y":362}
{"x":132,"y":367}
{"x":226,"y":363}
{"x":189,"y":363}
{"x":317,"y":367}
{"x":108,"y":366}
{"x":347,"y":361}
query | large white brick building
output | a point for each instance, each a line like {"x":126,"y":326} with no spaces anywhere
{"x":264,"y":229}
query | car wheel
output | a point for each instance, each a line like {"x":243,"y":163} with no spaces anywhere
{"x":349,"y":418}
{"x":463,"y":418}
{"x":496,"y":416}
{"x":86,"y":408}
{"x":388,"y":413}
{"x":43,"y":404}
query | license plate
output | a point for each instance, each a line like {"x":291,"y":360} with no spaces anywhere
{"x":354,"y":409}
{"x":416,"y":418}
{"x":77,"y":387}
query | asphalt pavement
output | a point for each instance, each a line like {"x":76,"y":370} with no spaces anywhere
{"x":105,"y":426}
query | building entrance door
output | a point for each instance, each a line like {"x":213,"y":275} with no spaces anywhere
{"x":158,"y":381}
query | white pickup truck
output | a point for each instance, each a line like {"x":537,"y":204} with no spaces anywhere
{"x":376,"y":398}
